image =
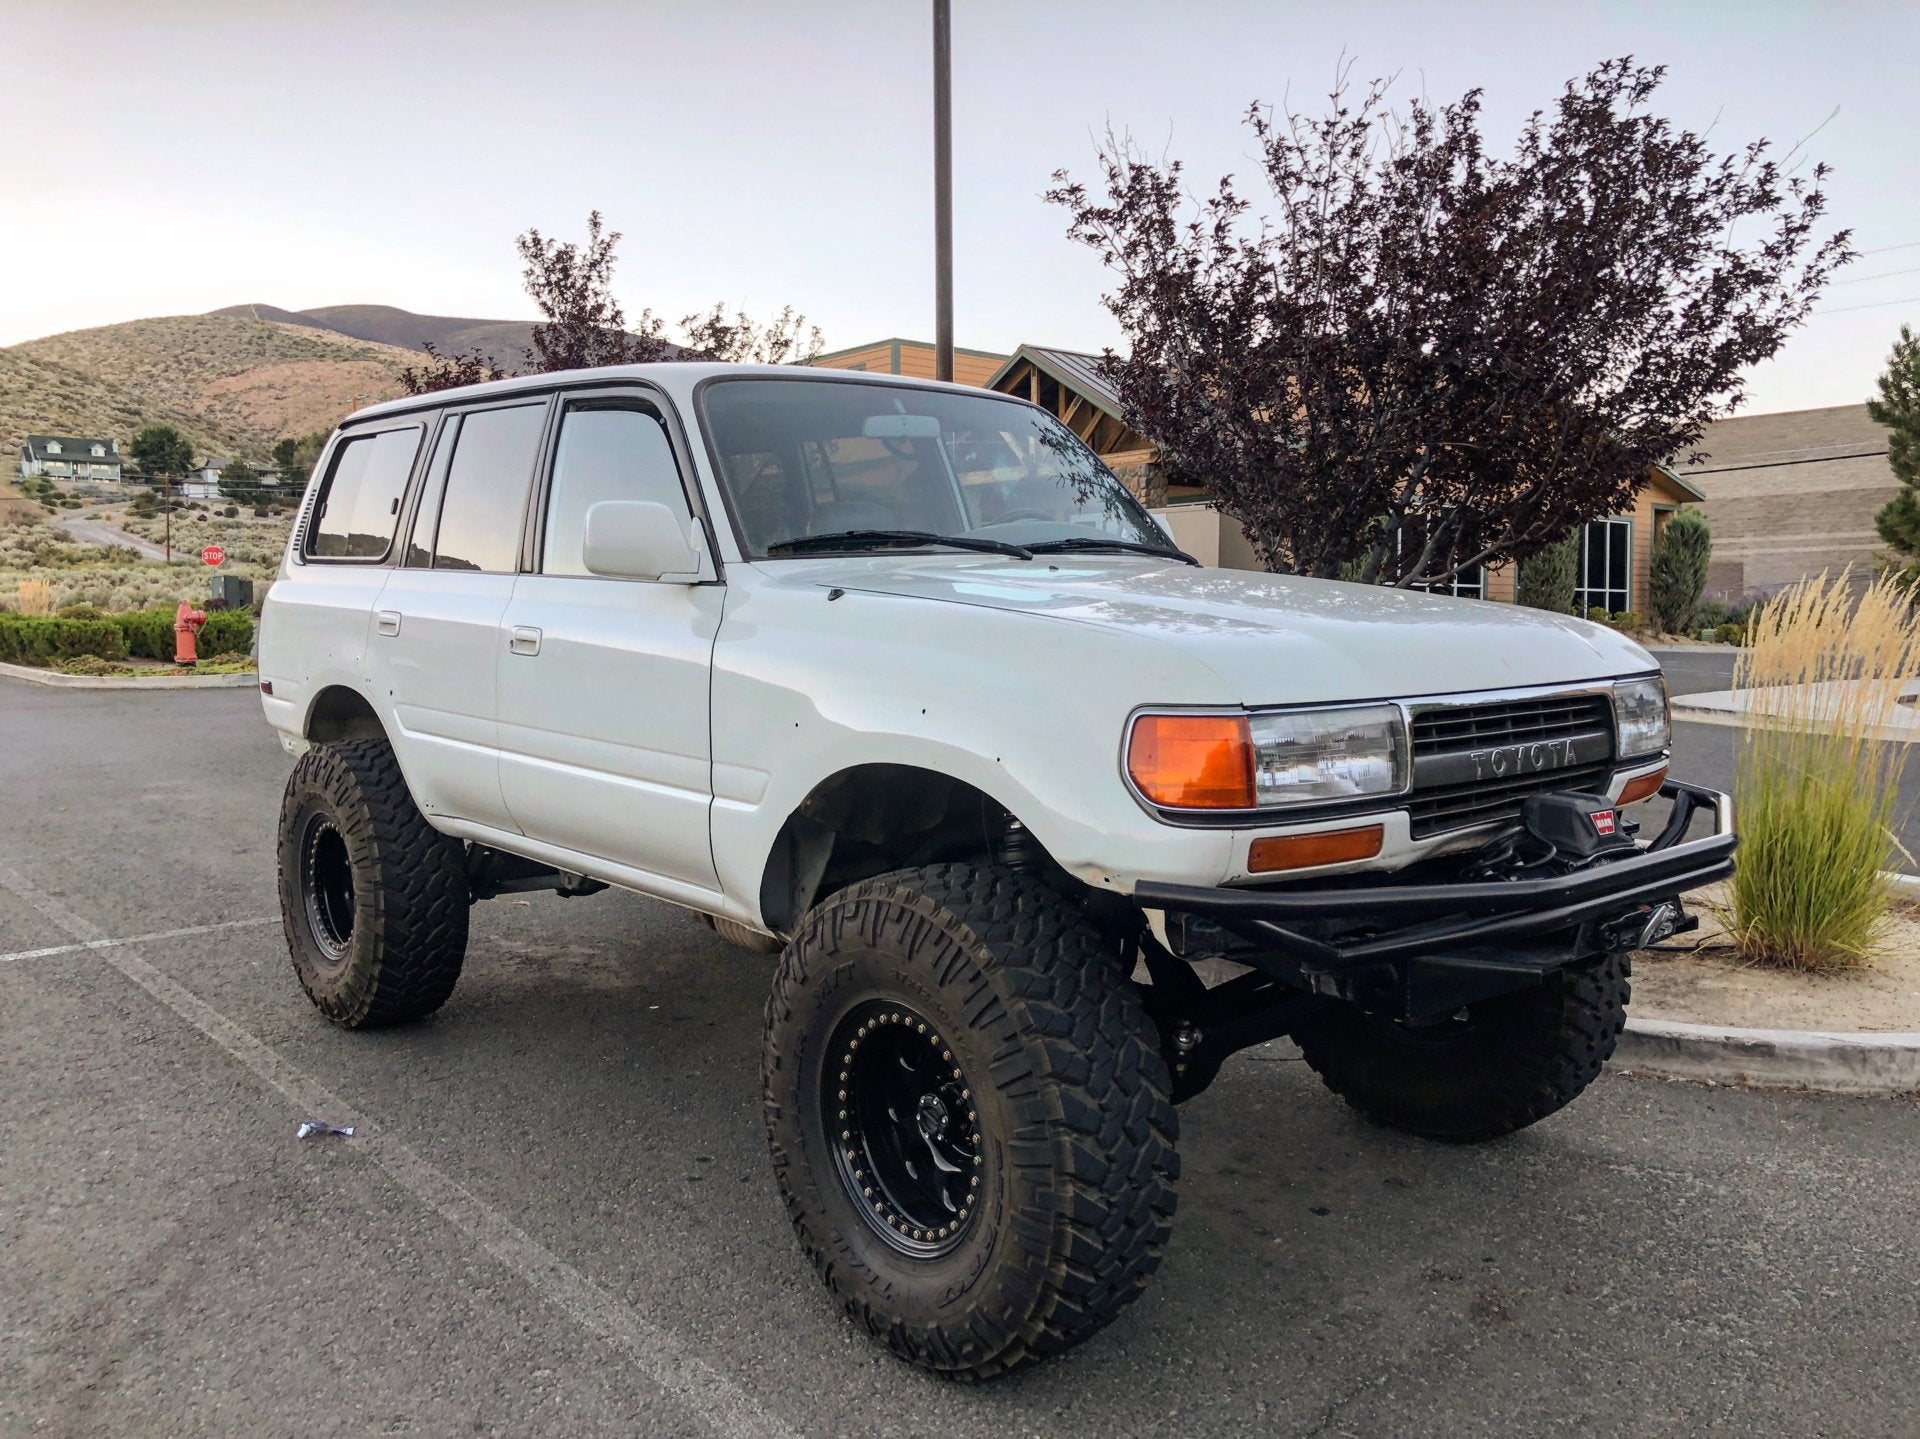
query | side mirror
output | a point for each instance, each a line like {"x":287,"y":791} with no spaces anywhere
{"x":638,"y":540}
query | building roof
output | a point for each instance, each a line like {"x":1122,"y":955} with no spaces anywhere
{"x":899,"y":340}
{"x":71,"y":448}
{"x":1078,"y":371}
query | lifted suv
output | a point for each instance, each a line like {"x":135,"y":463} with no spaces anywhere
{"x":898,"y":680}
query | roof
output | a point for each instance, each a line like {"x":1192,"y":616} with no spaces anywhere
{"x":1078,"y":371}
{"x":678,"y":378}
{"x":899,"y":340}
{"x":70,"y":448}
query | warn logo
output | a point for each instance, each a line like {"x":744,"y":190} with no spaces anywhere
{"x":1602,"y":821}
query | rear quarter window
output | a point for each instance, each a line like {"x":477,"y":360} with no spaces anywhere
{"x":358,"y":507}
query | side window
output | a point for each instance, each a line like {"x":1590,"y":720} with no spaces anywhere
{"x":486,"y":490}
{"x":609,"y":450}
{"x":358,"y":507}
{"x":426,"y":516}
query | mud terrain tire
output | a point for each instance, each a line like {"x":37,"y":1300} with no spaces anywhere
{"x":1510,"y":1061}
{"x":373,"y":898}
{"x":1052,"y":1110}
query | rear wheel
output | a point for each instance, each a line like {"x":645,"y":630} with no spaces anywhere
{"x":1484,"y":1071}
{"x":373,"y":899}
{"x":968,"y":1116}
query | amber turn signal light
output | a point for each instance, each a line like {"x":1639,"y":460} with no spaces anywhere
{"x":1299,"y":851}
{"x":1645,"y":787}
{"x":1192,"y":761}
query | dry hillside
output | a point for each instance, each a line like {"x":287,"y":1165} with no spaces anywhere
{"x":246,"y":381}
{"x":38,"y":398}
{"x":506,"y":341}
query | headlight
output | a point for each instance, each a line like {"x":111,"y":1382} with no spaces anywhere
{"x":1641,"y":725}
{"x":1268,"y":761}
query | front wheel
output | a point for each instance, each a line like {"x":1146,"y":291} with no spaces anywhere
{"x":1483,"y":1071}
{"x":968,"y":1116}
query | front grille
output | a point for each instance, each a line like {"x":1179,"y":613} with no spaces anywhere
{"x":1472,"y":727}
{"x":1476,"y":764}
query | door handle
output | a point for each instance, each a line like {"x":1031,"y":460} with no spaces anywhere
{"x":386,"y":622}
{"x":525,"y":641}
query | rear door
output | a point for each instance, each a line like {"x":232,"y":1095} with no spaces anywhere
{"x":604,"y":738}
{"x":435,"y":646}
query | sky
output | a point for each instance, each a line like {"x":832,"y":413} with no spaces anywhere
{"x":194,"y":154}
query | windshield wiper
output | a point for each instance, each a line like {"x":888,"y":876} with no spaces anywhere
{"x":893,"y":539}
{"x":1089,"y":543}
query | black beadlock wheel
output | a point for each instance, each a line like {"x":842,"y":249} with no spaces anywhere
{"x":968,"y":1116}
{"x":373,"y":899}
{"x":1484,"y":1071}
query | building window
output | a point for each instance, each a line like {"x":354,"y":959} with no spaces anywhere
{"x":53,"y":447}
{"x":1606,"y":564}
{"x":1470,"y":583}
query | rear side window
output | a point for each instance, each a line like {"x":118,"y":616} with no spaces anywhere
{"x":486,"y":490}
{"x":359,"y":506}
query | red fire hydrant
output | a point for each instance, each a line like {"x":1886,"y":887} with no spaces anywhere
{"x":186,"y":626}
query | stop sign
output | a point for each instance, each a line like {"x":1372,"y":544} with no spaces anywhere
{"x":213,"y":554}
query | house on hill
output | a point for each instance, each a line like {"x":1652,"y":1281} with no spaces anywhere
{"x":61,"y":457}
{"x":203,"y":481}
{"x":1791,"y":494}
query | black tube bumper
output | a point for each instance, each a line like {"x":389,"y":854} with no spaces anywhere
{"x":1417,"y":940}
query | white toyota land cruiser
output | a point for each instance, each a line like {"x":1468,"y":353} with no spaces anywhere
{"x":898,"y":679}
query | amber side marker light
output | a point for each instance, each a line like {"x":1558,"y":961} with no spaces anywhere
{"x":1193,"y":761}
{"x":1299,"y":851}
{"x":1645,"y":787}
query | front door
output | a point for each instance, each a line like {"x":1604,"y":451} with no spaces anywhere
{"x":604,"y":745}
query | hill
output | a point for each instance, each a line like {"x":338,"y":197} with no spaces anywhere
{"x":40,"y":398}
{"x":229,"y":382}
{"x":506,"y":341}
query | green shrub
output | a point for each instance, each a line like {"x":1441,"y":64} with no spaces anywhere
{"x":147,"y":633}
{"x":1627,"y":621}
{"x":1816,"y":782}
{"x":1598,"y":615}
{"x":1710,"y":615}
{"x":232,"y":512}
{"x":1546,"y":581}
{"x":42,"y":639}
{"x":227,"y":632}
{"x":1731,"y":634}
{"x":82,"y":612}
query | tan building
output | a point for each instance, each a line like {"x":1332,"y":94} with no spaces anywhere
{"x":1792,"y":494}
{"x":1615,"y":554}
{"x":912,"y":357}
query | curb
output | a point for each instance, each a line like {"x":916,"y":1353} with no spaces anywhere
{"x":130,"y":682}
{"x":1835,"y":1063}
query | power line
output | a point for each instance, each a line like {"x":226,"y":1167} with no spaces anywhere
{"x":1869,"y":279}
{"x":1877,"y":305}
{"x":1909,"y":245}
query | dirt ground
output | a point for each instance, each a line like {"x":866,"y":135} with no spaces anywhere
{"x":1699,"y":978}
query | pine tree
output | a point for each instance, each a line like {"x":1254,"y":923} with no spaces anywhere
{"x":1898,"y":408}
{"x":1679,"y":570}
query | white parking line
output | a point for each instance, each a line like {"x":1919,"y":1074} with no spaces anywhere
{"x":714,"y":1400}
{"x":53,"y":949}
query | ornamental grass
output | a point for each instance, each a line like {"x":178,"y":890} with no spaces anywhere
{"x":1817,"y":772}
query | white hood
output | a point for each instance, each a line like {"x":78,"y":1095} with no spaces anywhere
{"x":1272,"y":639}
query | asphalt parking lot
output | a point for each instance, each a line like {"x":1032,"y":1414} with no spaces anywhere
{"x":555,"y":1216}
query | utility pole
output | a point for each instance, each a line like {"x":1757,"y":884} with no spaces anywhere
{"x":942,"y":190}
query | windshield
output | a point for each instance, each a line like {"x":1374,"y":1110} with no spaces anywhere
{"x":807,"y":458}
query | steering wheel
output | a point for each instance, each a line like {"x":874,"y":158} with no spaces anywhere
{"x":1012,"y":515}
